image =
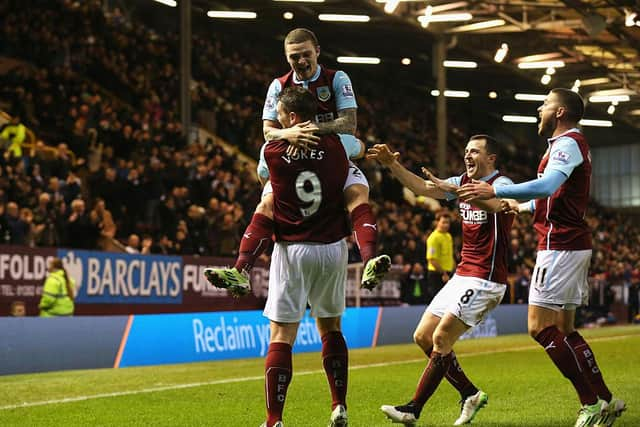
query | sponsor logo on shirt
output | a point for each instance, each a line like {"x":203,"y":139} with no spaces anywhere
{"x":472,"y":216}
{"x":323,"y":93}
{"x":347,"y":91}
{"x":561,"y":157}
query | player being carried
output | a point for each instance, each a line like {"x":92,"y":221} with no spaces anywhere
{"x":309,"y":261}
{"x":477,"y":286}
{"x":335,"y":113}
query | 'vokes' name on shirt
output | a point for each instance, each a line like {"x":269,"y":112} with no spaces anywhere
{"x":311,"y":154}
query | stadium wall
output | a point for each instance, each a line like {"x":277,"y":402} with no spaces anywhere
{"x":110,"y":283}
{"x":52,"y":344}
{"x":48,"y":344}
{"x":398,"y":323}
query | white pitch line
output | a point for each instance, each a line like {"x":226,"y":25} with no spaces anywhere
{"x":260,"y":377}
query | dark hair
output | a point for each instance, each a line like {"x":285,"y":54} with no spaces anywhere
{"x":443,"y":214}
{"x":301,"y":35}
{"x":572,"y":101}
{"x":57,"y":264}
{"x":298,"y":100}
{"x":491,"y":144}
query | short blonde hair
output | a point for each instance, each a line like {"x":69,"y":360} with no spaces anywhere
{"x":301,"y":35}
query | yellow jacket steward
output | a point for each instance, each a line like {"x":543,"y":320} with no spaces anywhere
{"x":55,"y":300}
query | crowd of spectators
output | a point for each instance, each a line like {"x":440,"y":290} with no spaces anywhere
{"x":104,"y":88}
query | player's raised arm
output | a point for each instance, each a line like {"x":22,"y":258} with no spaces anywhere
{"x":413,"y":182}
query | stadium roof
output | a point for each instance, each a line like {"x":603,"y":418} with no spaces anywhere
{"x":598,"y":42}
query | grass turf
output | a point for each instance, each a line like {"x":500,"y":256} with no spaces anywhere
{"x":524,"y":387}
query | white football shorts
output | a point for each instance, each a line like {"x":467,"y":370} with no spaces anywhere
{"x":559,"y":279}
{"x":267,"y":189}
{"x":467,"y":298}
{"x":306,"y":272}
{"x":355,"y":176}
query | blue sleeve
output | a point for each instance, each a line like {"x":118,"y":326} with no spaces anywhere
{"x":269,"y":111}
{"x":345,"y":98}
{"x":565,"y":156}
{"x":351,"y":145}
{"x":455,"y":180}
{"x":502,"y":180}
{"x":263,"y":169}
{"x":534,"y":189}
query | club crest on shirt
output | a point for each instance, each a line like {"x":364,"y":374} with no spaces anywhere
{"x":561,"y":156}
{"x":323,"y":93}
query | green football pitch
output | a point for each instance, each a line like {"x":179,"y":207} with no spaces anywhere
{"x":524,"y":388}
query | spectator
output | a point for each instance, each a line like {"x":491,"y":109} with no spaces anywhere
{"x":18,"y":309}
{"x":82,"y":231}
{"x":133,"y":244}
{"x":14,"y":133}
{"x":414,"y":290}
{"x":18,"y":228}
{"x":102,"y":217}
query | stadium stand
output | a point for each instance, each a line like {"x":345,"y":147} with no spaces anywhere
{"x":106,"y":166}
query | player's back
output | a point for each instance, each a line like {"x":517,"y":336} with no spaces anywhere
{"x":308,"y":191}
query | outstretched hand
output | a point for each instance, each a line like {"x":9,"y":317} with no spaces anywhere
{"x":443,"y":185}
{"x":476,"y":190}
{"x":382,"y":154}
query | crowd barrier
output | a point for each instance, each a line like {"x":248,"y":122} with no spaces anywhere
{"x":86,"y":342}
{"x":121,"y":283}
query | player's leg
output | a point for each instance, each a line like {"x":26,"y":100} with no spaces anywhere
{"x":326,"y":279}
{"x":556,"y":283}
{"x":278,"y":369}
{"x":254,"y":242}
{"x":589,"y":365}
{"x":542,"y":327}
{"x":580,"y":261}
{"x":285,"y":307}
{"x":335,"y":360}
{"x":365,"y":228}
{"x":423,"y":337}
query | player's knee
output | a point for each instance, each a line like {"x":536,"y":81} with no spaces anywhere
{"x":265,"y":207}
{"x":440,"y":340}
{"x":422,"y":339}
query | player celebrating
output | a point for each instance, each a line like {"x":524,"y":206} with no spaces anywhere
{"x":477,"y":286}
{"x":335,"y":113}
{"x":559,"y":282}
{"x":309,"y":261}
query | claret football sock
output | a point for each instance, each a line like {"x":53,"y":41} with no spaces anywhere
{"x":365,"y":230}
{"x":431,"y":378}
{"x":589,"y":365}
{"x":254,"y":242}
{"x":561,"y":353}
{"x":335,"y":359}
{"x":277,"y":373}
{"x":456,"y":376}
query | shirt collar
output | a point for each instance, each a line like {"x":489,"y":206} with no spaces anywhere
{"x":552,"y":140}
{"x":312,"y":79}
{"x":491,"y":175}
